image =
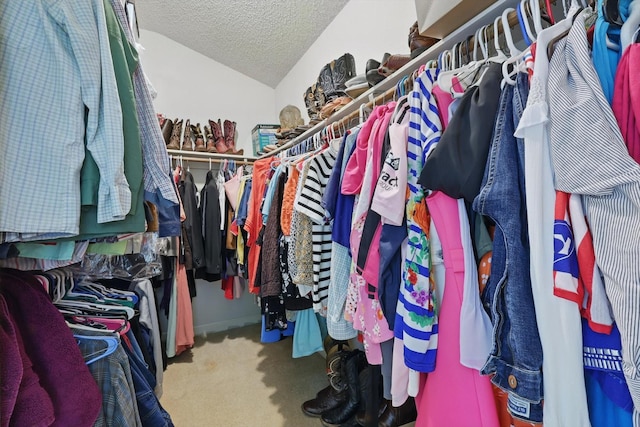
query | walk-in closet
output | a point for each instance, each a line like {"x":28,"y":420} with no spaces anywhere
{"x":337,"y":213}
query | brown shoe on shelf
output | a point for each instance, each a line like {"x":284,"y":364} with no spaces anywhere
{"x":167,"y":130}
{"x":230,"y":137}
{"x":196,"y":132}
{"x":218,"y":136}
{"x":187,"y":138}
{"x":211,"y":143}
{"x":176,"y":133}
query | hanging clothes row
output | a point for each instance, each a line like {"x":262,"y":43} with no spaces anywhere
{"x":91,"y":358}
{"x":101,"y":143}
{"x":457,"y":227}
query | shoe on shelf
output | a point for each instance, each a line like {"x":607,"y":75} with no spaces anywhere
{"x":211,"y":144}
{"x":176,"y":133}
{"x":218,"y":137}
{"x":167,"y":130}
{"x":230,"y":137}
{"x":198,"y":139}
{"x":187,"y":137}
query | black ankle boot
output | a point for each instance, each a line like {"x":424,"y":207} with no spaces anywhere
{"x":327,"y":399}
{"x":347,"y":411}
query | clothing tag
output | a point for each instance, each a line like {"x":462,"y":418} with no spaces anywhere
{"x":518,"y":407}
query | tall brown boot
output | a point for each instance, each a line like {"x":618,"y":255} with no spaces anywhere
{"x":211,"y":143}
{"x":198,"y":139}
{"x":187,"y":138}
{"x":230,"y":137}
{"x":176,"y":133}
{"x":167,"y":130}
{"x":218,"y":136}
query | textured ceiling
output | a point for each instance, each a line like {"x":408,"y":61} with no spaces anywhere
{"x":262,"y":39}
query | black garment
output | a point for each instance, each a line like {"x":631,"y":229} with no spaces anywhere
{"x":271,"y":278}
{"x":193,"y":223}
{"x":456,"y":165}
{"x":211,"y":217}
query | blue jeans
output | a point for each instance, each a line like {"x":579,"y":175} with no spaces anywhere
{"x":516,"y":357}
{"x":152,"y":414}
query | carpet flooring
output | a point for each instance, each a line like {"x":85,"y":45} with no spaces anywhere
{"x":230,"y":379}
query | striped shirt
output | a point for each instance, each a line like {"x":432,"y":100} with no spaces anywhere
{"x":590,"y":158}
{"x":309,"y":203}
{"x":416,"y":316}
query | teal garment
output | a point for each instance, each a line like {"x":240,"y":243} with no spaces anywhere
{"x":605,"y":60}
{"x":125,"y":62}
{"x":307,"y":338}
{"x":58,"y":251}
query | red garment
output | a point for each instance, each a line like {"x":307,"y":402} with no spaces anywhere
{"x":253,"y":224}
{"x":626,"y":99}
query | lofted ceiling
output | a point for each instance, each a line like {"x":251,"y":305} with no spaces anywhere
{"x":262,"y":39}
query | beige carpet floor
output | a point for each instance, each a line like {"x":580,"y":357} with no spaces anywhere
{"x":230,"y":379}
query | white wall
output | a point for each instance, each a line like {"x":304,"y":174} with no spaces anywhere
{"x":192,"y":86}
{"x":365,"y":28}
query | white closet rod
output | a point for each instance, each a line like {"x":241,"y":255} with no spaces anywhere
{"x":485,"y":17}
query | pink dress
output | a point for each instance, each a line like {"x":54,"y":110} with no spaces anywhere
{"x":452,"y":395}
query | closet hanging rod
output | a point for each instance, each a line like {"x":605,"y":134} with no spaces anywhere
{"x":388,"y":85}
{"x":197,"y":156}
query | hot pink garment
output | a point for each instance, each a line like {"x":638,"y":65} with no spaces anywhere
{"x":354,"y":172}
{"x":184,"y":322}
{"x":626,"y":99}
{"x":452,"y":395}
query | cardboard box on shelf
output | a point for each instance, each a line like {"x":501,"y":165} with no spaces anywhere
{"x":263,"y":135}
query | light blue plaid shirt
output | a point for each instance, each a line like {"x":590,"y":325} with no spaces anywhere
{"x":57,"y":90}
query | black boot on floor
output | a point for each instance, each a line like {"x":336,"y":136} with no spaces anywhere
{"x":327,"y":399}
{"x":346,"y":412}
{"x":394,"y":417}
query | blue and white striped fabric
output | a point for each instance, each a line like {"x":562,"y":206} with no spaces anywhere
{"x":57,"y":69}
{"x":416,"y":317}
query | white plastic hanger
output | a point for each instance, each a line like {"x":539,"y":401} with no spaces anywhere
{"x":506,"y":29}
{"x":536,"y":15}
{"x":524,"y":7}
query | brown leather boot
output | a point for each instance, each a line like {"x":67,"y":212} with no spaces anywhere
{"x":187,"y":138}
{"x":176,"y":133}
{"x":218,"y":136}
{"x":196,"y":134}
{"x":167,"y":130}
{"x":230,"y":137}
{"x":211,"y":144}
